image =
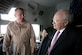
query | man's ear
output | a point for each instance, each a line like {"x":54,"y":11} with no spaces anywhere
{"x":66,"y":23}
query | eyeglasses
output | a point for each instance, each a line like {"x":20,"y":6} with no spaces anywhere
{"x":57,"y":21}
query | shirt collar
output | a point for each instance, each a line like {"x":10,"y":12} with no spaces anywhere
{"x":61,"y":30}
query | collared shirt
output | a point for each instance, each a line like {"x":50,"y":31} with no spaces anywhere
{"x":59,"y":33}
{"x":22,"y":36}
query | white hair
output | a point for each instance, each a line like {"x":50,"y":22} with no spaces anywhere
{"x":68,"y":16}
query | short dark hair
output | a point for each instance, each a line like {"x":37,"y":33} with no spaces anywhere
{"x":18,"y":8}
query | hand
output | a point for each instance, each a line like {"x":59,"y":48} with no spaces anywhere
{"x":8,"y":53}
{"x":32,"y":50}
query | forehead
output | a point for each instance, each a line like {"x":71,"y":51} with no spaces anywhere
{"x":58,"y":16}
{"x":18,"y":10}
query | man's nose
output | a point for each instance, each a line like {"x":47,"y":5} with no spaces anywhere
{"x":53,"y":22}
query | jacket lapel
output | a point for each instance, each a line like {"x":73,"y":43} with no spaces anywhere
{"x":61,"y":38}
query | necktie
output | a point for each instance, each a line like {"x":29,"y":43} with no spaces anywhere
{"x":53,"y":42}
